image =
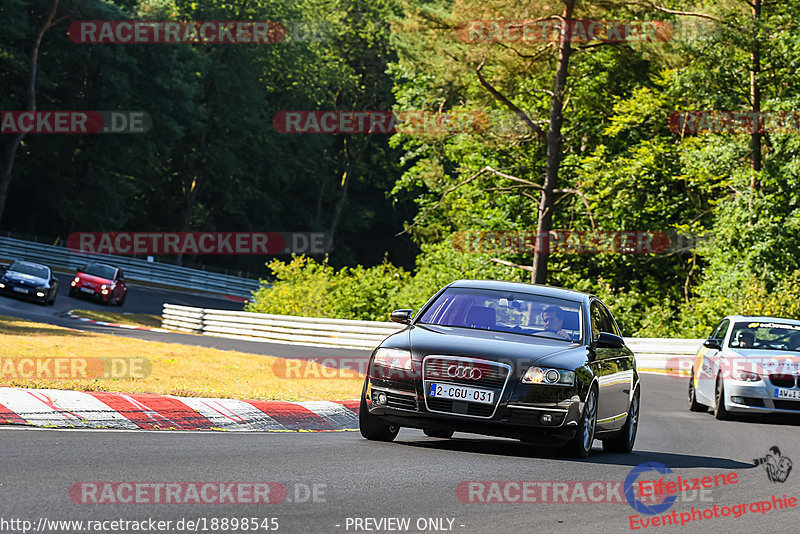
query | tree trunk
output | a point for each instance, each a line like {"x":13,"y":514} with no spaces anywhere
{"x":10,"y":150}
{"x":755,"y":99}
{"x":545,"y":220}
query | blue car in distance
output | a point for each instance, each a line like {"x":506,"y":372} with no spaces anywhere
{"x":31,"y":281}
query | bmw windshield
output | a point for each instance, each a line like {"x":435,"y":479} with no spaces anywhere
{"x":506,"y":311}
{"x":766,"y":336}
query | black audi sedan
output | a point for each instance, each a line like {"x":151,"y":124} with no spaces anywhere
{"x":536,"y":363}
{"x":29,"y":280}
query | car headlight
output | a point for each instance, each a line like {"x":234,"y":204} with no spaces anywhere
{"x":104,"y":286}
{"x":557,"y":377}
{"x":2,"y":285}
{"x":746,"y":376}
{"x":396,"y":358}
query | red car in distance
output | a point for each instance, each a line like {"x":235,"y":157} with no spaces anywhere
{"x":103,"y":282}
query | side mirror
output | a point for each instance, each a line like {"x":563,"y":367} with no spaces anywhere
{"x":609,"y":341}
{"x":402,"y":316}
{"x":712,"y":344}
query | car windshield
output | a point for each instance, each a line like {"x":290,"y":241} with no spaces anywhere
{"x":771,"y":335}
{"x":506,"y":311}
{"x":99,"y":270}
{"x":30,"y":268}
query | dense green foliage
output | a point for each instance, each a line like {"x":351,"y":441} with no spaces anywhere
{"x":215,"y":163}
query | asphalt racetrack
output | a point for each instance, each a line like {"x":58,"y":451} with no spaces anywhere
{"x":415,"y":478}
{"x":339,"y":482}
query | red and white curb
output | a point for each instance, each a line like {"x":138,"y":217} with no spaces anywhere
{"x":117,"y":325}
{"x":133,"y":411}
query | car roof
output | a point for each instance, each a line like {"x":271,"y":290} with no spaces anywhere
{"x":535,"y":289}
{"x":760,"y":319}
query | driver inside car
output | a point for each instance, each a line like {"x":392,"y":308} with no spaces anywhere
{"x":553,"y":319}
{"x":794,"y":342}
{"x":746,"y":339}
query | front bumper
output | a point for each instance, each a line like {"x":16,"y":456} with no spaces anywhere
{"x":28,"y":293}
{"x":79,"y":290}
{"x":757,"y":397}
{"x":547,"y":415}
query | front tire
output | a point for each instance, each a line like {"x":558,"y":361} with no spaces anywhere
{"x":623,"y":442}
{"x":581,"y":445}
{"x":372,"y":427}
{"x":694,"y":406}
{"x":721,"y":413}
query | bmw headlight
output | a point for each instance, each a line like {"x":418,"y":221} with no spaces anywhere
{"x":541,"y":375}
{"x":395,"y":358}
{"x":746,"y":376}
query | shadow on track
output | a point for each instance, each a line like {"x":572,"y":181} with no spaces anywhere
{"x":522,"y":450}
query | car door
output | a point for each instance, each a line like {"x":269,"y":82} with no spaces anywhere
{"x":610,"y":413}
{"x":706,"y":363}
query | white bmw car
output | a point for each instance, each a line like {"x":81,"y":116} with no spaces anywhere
{"x":748,"y":365}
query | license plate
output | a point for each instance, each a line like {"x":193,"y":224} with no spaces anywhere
{"x":87,"y":290}
{"x":781,"y":393}
{"x":21,"y":290}
{"x":447,"y":391}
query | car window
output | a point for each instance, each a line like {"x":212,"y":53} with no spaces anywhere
{"x":766,"y":335}
{"x":609,"y":325}
{"x":720,"y":331}
{"x":596,"y":319}
{"x":99,"y":270}
{"x":506,"y":311}
{"x":30,"y":269}
{"x":601,"y":320}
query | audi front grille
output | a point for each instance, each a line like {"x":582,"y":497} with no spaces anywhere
{"x":469,"y":372}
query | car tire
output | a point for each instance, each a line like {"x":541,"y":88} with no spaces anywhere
{"x":122,"y":300}
{"x":694,"y":406}
{"x":624,"y":440}
{"x":372,"y":427}
{"x":721,"y":413}
{"x":581,"y":445}
{"x":436,"y":433}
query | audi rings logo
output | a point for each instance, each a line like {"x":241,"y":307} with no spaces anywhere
{"x":471,"y":373}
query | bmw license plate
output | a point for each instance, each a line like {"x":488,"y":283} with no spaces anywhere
{"x":21,"y":290}
{"x":448,"y":391}
{"x":781,"y":393}
{"x":87,"y":290}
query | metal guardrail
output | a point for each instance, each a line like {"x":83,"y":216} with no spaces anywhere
{"x":651,"y":354}
{"x":62,"y":258}
{"x":321,"y":332}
